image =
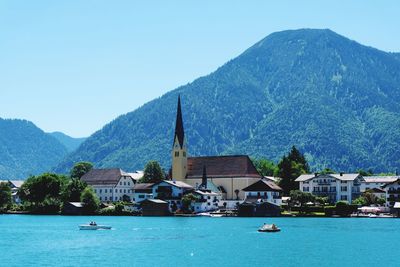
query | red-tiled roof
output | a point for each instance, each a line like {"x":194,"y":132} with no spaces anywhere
{"x":262,"y":186}
{"x":222,"y":167}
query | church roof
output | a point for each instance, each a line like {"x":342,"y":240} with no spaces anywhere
{"x":179,"y":131}
{"x":221,"y":167}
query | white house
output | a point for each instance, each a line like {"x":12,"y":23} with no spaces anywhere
{"x":264,"y":191}
{"x":172,"y":192}
{"x":206,"y":201}
{"x":337,"y":187}
{"x":392,"y":191}
{"x":371,"y":182}
{"x":110,"y":185}
{"x":142,"y":192}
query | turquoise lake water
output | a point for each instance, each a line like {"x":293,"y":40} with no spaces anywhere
{"x":167,"y":241}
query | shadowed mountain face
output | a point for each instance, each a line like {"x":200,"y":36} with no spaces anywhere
{"x":26,"y":150}
{"x":336,"y":100}
{"x":69,"y":142}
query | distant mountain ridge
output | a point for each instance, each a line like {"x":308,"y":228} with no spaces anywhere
{"x":335,"y":99}
{"x":26,"y":150}
{"x":69,"y":142}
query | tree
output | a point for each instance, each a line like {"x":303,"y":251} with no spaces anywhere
{"x":90,"y":201}
{"x":365,"y":173}
{"x":73,"y":190}
{"x":187,"y":202}
{"x":265,"y":167}
{"x":289,"y":168}
{"x":301,"y":198}
{"x":321,"y":200}
{"x":5,"y":196}
{"x":152,"y":173}
{"x":80,"y":169}
{"x":43,"y":193}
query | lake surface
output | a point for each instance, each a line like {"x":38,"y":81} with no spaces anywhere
{"x":167,"y":241}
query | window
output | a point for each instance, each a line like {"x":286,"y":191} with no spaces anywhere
{"x":124,"y":183}
{"x":306,"y":189}
{"x":116,"y":190}
{"x":105,"y":191}
{"x":120,"y":190}
{"x":343,"y":197}
{"x":129,"y":183}
{"x":124,"y":191}
{"x":95,"y":191}
{"x":100,"y":198}
{"x":344,"y":188}
{"x":120,"y":183}
{"x":184,"y":153}
{"x":105,"y":198}
{"x":100,"y":191}
{"x":176,"y":153}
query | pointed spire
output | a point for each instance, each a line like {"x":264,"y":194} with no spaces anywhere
{"x":179,"y":132}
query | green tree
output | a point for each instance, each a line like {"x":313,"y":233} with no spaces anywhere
{"x":327,"y":171}
{"x":5,"y":196}
{"x":73,"y":190}
{"x":80,"y":169}
{"x":187,"y":201}
{"x":90,"y":201}
{"x":152,"y":173}
{"x":265,"y":167}
{"x":365,"y":173}
{"x":301,"y":198}
{"x":289,"y":168}
{"x":43,"y":193}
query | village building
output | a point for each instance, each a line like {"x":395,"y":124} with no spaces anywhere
{"x":264,"y":191}
{"x":172,"y":192}
{"x":111,"y":185}
{"x":371,"y":182}
{"x":206,"y":201}
{"x":72,"y":208}
{"x":337,"y":187}
{"x":142,"y":192}
{"x":229,"y":173}
{"x":392,"y":191}
{"x":15,"y":185}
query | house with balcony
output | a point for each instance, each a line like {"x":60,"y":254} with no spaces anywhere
{"x":336,"y":186}
{"x":263,"y":191}
{"x":142,"y":192}
{"x":392,"y":191}
{"x":110,"y":185}
{"x":172,"y":192}
{"x":207,"y":200}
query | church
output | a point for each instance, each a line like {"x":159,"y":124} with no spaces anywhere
{"x":230,"y":174}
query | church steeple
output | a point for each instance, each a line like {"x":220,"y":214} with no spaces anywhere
{"x":179,"y":158}
{"x":179,"y":131}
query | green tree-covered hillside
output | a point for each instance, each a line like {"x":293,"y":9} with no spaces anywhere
{"x":26,"y":150}
{"x":335,"y":99}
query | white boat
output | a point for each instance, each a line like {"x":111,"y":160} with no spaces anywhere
{"x":94,"y":226}
{"x":270,"y":228}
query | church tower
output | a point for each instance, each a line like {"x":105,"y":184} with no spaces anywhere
{"x":179,"y":155}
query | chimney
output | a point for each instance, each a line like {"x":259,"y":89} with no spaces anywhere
{"x":341,"y":174}
{"x":316,"y":174}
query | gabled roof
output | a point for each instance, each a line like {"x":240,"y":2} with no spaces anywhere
{"x":136,"y":175}
{"x":339,"y":176}
{"x":376,"y":190}
{"x":76,"y":204}
{"x":205,"y":193}
{"x":397,"y":180}
{"x":221,"y":167}
{"x":16,"y":183}
{"x":104,"y":176}
{"x":262,"y":186}
{"x":143,"y":188}
{"x":178,"y":184}
{"x":380,"y":179}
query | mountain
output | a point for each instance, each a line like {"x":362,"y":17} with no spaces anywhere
{"x":69,"y":142}
{"x":26,"y":150}
{"x":335,"y":99}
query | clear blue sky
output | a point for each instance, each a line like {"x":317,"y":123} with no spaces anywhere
{"x":73,"y":66}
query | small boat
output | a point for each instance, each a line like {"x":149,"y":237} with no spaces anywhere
{"x":94,"y":226}
{"x":270,"y":228}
